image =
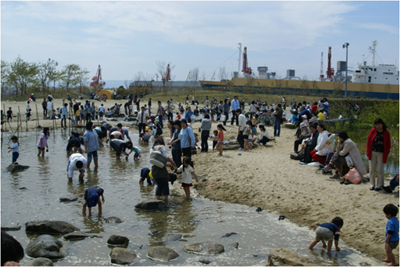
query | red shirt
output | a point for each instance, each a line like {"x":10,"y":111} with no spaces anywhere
{"x":220,"y":137}
{"x":314,"y":108}
{"x":178,"y":116}
{"x":386,"y":144}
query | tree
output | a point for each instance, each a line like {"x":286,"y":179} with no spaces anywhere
{"x":21,"y":74}
{"x":82,"y":78}
{"x":5,"y":71}
{"x":54,"y":77}
{"x":45,"y":70}
{"x":71,"y":75}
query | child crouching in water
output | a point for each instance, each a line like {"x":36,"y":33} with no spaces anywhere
{"x":220,"y":138}
{"x":391,"y":233}
{"x":187,"y":174}
{"x":328,"y":232}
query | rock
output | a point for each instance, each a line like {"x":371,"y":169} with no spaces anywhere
{"x":259,"y":209}
{"x":68,"y":199}
{"x":23,"y":188}
{"x":155,"y":232}
{"x":46,"y":246}
{"x":50,"y":227}
{"x":174,"y":237}
{"x":11,"y":227}
{"x":364,"y":263}
{"x":40,"y":262}
{"x":290,"y":125}
{"x":286,"y":257}
{"x":117,"y":240}
{"x":113,"y":120}
{"x":162,"y":254}
{"x":229,"y":234}
{"x":16,"y":168}
{"x":122,"y":256}
{"x":76,"y":236}
{"x":151,"y":205}
{"x":130,"y":119}
{"x":234,"y":244}
{"x":205,"y":248}
{"x":205,"y":261}
{"x":113,"y":220}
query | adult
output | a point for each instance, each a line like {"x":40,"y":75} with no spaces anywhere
{"x":126,"y":107}
{"x":142,"y":120}
{"x":326,"y":105}
{"x":169,"y":111}
{"x":235,"y":105}
{"x":76,"y":162}
{"x":304,"y":112}
{"x":346,"y":147}
{"x":91,"y":141}
{"x":102,"y":109}
{"x":124,"y":131}
{"x":88,"y":111}
{"x":50,"y":108}
{"x":253,"y":109}
{"x":188,"y":113}
{"x":149,"y":104}
{"x":278,"y":120}
{"x":176,"y":144}
{"x":205,"y":128}
{"x":170,"y":127}
{"x":76,"y":107}
{"x":305,"y":133}
{"x":74,"y":145}
{"x":225,"y":110}
{"x":378,"y":148}
{"x":160,"y":113}
{"x":120,"y":146}
{"x":325,"y":144}
{"x":241,"y":125}
{"x":93,"y":111}
{"x":64,"y":115}
{"x":161,"y":175}
{"x":44,"y":106}
{"x":311,"y":143}
{"x":314,"y":107}
{"x":187,"y":139}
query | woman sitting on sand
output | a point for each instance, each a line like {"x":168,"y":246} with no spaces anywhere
{"x":325,"y":144}
{"x":345,"y":147}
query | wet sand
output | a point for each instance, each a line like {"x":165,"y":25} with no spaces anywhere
{"x":266,"y":177}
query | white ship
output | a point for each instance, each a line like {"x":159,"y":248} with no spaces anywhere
{"x":381,"y":74}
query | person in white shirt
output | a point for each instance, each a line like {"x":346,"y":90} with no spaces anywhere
{"x":49,"y":109}
{"x":242,"y":124}
{"x":187,"y":174}
{"x":264,"y":135}
{"x":101,"y":111}
{"x":76,"y":162}
{"x":142,"y":119}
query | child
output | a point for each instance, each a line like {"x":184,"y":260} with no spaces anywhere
{"x":145,"y":173}
{"x":14,"y":149}
{"x":137,"y":155}
{"x":264,"y":136}
{"x":215,"y":141}
{"x":178,"y":116}
{"x":187,"y":173}
{"x":246,"y":135}
{"x":220,"y":138}
{"x":145,"y":137}
{"x":108,"y":113}
{"x":391,"y":233}
{"x":83,"y":117}
{"x":42,"y":143}
{"x":9,"y":114}
{"x":326,"y":232}
{"x":92,"y":198}
{"x":78,"y":117}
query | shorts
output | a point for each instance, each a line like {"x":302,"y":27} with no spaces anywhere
{"x":186,"y":185}
{"x":116,"y":148}
{"x":101,"y":114}
{"x":322,"y":233}
{"x":162,"y":187}
{"x":136,"y":155}
{"x":393,"y":244}
{"x":215,"y":143}
{"x":41,"y":148}
{"x":82,"y":117}
{"x":245,"y":137}
{"x":77,"y":118}
{"x":15,"y":156}
{"x":89,"y":156}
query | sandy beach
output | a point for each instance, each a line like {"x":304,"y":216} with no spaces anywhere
{"x":266,"y":177}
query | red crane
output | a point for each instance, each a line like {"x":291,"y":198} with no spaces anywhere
{"x":167,"y":77}
{"x":96,"y":79}
{"x":330,"y":72}
{"x":245,"y":69}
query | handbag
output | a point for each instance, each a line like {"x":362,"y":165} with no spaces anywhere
{"x":353,"y":176}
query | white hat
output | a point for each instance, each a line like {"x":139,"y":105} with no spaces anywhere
{"x":304,"y":116}
{"x":302,"y":125}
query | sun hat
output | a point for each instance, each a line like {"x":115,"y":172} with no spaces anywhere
{"x":302,"y":125}
{"x":304,"y":116}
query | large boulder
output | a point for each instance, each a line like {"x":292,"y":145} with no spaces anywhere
{"x":16,"y":167}
{"x":46,"y":246}
{"x":76,"y":236}
{"x":286,"y":257}
{"x":11,"y":227}
{"x":118,"y":240}
{"x":122,"y":256}
{"x":40,"y":262}
{"x":50,"y":227}
{"x":151,"y":205}
{"x":204,"y":248}
{"x":162,"y":254}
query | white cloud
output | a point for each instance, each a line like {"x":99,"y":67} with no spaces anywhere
{"x":380,"y":27}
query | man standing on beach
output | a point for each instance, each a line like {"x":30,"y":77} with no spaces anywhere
{"x":142,"y":119}
{"x":160,"y":113}
{"x":44,"y":106}
{"x":50,"y":108}
{"x":235,"y":105}
{"x":241,"y":124}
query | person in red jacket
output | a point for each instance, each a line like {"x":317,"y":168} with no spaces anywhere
{"x":378,"y":148}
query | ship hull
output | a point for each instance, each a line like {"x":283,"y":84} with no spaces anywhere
{"x":311,"y":88}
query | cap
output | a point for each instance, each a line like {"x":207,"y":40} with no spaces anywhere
{"x":304,"y":116}
{"x":302,"y":125}
{"x":94,"y":198}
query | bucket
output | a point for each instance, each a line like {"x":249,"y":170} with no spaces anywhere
{"x":223,"y":117}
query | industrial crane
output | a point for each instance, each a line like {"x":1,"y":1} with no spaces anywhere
{"x":246,"y":69}
{"x":330,"y":71}
{"x":96,"y":79}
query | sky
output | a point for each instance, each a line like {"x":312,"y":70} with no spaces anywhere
{"x":127,"y":38}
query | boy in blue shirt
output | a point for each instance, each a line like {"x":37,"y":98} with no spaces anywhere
{"x":92,"y":198}
{"x":391,"y":233}
{"x":328,"y":232}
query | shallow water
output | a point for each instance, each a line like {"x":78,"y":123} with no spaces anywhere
{"x":198,"y":220}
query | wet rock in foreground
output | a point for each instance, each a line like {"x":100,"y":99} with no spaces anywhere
{"x":68,"y":199}
{"x":46,"y":246}
{"x":113,"y":219}
{"x":151,"y":205}
{"x":16,"y":168}
{"x":40,"y":262}
{"x":204,"y":248}
{"x":11,"y":227}
{"x":75,"y":236}
{"x":118,"y":240}
{"x":286,"y":257}
{"x":162,"y":254}
{"x":50,"y":227}
{"x":122,"y":256}
{"x":174,"y":237}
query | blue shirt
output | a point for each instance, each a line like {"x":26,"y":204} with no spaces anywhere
{"x":14,"y":147}
{"x":177,"y":145}
{"x":184,"y":137}
{"x":306,"y":112}
{"x":295,"y":119}
{"x":235,"y":104}
{"x":188,"y":114}
{"x":333,"y":227}
{"x":91,"y":138}
{"x":64,"y":111}
{"x":393,"y":226}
